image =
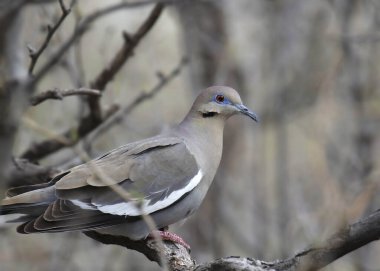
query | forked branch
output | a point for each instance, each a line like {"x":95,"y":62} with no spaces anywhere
{"x":59,"y":94}
{"x":83,"y":26}
{"x":35,"y":54}
{"x":94,"y":118}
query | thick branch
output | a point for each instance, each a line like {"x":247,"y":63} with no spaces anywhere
{"x":59,"y":94}
{"x":233,"y":263}
{"x":178,"y":257}
{"x":341,"y":243}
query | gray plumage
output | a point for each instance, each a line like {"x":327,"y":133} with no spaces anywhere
{"x":166,"y":176}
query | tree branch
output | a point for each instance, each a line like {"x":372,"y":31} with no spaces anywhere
{"x":13,"y":82}
{"x":94,"y":118}
{"x":126,"y":51}
{"x":114,"y":115}
{"x":120,"y":58}
{"x":72,"y":136}
{"x":83,"y":26}
{"x":34,"y":55}
{"x":178,"y":257}
{"x":339,"y":244}
{"x":59,"y":94}
{"x":118,"y":117}
{"x":25,"y":173}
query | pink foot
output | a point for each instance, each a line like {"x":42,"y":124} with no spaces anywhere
{"x":169,"y":236}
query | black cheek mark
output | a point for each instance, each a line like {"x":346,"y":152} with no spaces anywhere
{"x":209,"y":114}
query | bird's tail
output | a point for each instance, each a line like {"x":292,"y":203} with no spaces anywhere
{"x":29,"y":200}
{"x":31,"y":203}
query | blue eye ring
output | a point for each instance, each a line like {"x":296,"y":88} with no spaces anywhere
{"x":219,"y":98}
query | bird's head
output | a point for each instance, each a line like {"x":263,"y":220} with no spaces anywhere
{"x":220,"y":102}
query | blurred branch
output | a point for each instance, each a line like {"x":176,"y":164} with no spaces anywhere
{"x":116,"y":118}
{"x":125,"y":52}
{"x":13,"y":83}
{"x":339,"y":244}
{"x":71,"y":136}
{"x":94,"y":118}
{"x":8,"y":7}
{"x":25,"y":173}
{"x":83,"y":26}
{"x":58,"y":94}
{"x":34,"y":55}
{"x":74,"y":134}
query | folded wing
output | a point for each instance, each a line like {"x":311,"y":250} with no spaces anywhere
{"x":151,"y":173}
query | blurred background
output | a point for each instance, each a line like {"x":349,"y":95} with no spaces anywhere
{"x":310,"y":69}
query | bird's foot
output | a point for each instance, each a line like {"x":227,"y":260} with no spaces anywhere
{"x":169,"y":236}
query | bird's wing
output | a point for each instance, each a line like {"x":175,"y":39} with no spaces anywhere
{"x":159,"y":177}
{"x":114,"y":166}
{"x":155,"y":173}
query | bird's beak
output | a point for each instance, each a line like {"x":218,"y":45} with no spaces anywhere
{"x":244,"y":110}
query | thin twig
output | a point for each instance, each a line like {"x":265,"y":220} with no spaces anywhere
{"x":120,"y":58}
{"x":59,"y":94}
{"x":83,"y":26}
{"x":34,"y":55}
{"x":69,"y":138}
{"x":103,"y":176}
{"x":94,"y":118}
{"x":43,"y":130}
{"x":126,"y":51}
{"x":74,"y":134}
{"x":122,"y":113}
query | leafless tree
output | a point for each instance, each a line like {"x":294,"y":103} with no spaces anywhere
{"x":206,"y":41}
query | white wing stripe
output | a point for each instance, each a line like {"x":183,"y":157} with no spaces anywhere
{"x":131,"y":209}
{"x":82,"y":204}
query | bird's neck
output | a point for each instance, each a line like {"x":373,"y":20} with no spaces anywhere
{"x":203,"y":127}
{"x":205,"y":134}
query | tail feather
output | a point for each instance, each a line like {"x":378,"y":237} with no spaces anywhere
{"x":21,"y":219}
{"x":33,"y":209}
{"x":43,"y":210}
{"x":31,"y":200}
{"x":89,"y":221}
{"x":14,"y":191}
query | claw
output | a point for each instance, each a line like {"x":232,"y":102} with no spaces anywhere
{"x":169,"y":236}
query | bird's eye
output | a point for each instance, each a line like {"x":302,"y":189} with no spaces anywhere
{"x":219,"y":98}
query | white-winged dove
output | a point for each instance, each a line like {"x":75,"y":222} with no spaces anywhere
{"x":166,"y":176}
